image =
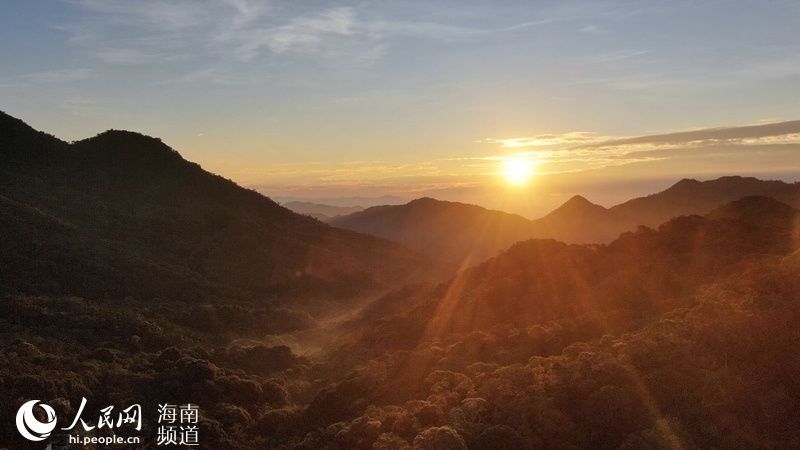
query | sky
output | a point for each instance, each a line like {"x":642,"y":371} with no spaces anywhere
{"x":333,"y":100}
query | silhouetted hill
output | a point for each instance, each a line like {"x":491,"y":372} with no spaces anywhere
{"x":121,"y":207}
{"x":699,"y":197}
{"x":452,"y":231}
{"x":576,"y":221}
{"x":455,"y":231}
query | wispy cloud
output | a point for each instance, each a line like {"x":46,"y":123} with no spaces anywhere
{"x":130,"y":32}
{"x":578,"y":151}
{"x":152,"y":14}
{"x":729,"y":135}
{"x":299,"y":33}
{"x":546,"y":140}
{"x":591,"y":29}
{"x":616,"y":56}
{"x":567,"y":153}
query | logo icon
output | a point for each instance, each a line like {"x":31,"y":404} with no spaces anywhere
{"x":30,"y":427}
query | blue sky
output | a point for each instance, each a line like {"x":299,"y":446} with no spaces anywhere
{"x":325,"y":98}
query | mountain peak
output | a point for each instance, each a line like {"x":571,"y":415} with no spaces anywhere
{"x":128,"y":144}
{"x":9,"y":121}
{"x":423,"y":201}
{"x":129,"y":136}
{"x":14,"y":128}
{"x":578,"y":200}
{"x":577,"y":204}
{"x":429,"y":204}
{"x":685,"y":183}
{"x":126,"y":133}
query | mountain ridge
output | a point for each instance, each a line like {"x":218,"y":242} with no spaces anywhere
{"x":320,"y":211}
{"x":578,"y":220}
{"x":131,"y":201}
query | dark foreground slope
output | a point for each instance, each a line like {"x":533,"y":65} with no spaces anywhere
{"x":457,"y":231}
{"x":122,"y":214}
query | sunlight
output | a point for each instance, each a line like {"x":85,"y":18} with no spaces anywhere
{"x":517,"y":170}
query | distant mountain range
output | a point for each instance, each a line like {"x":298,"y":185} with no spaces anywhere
{"x":123,"y":214}
{"x":540,"y":280}
{"x":346,"y":202}
{"x":459,"y":232}
{"x":321,"y":211}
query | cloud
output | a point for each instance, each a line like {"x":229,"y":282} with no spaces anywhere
{"x":732,"y":135}
{"x":247,"y":11}
{"x":122,"y":32}
{"x":152,"y":14}
{"x":578,"y":151}
{"x":546,"y":140}
{"x":440,"y":31}
{"x":554,"y":154}
{"x":617,"y":56}
{"x":300,"y":33}
{"x":743,"y":134}
{"x":591,"y":29}
{"x":138,"y":32}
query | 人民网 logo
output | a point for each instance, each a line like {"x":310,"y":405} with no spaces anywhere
{"x":32,"y":428}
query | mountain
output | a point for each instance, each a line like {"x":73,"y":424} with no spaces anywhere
{"x":321,"y":211}
{"x":578,"y":221}
{"x":699,"y":197}
{"x":593,"y":346}
{"x":123,"y":214}
{"x":459,"y":232}
{"x":455,"y":231}
{"x":345,"y":202}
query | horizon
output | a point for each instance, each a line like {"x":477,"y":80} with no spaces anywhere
{"x":608,"y":99}
{"x":615,"y":194}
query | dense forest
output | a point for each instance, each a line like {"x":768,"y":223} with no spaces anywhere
{"x":130,"y":275}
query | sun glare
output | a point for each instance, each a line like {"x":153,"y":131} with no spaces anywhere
{"x":517,"y":170}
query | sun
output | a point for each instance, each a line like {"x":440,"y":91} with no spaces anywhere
{"x":517,"y":170}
